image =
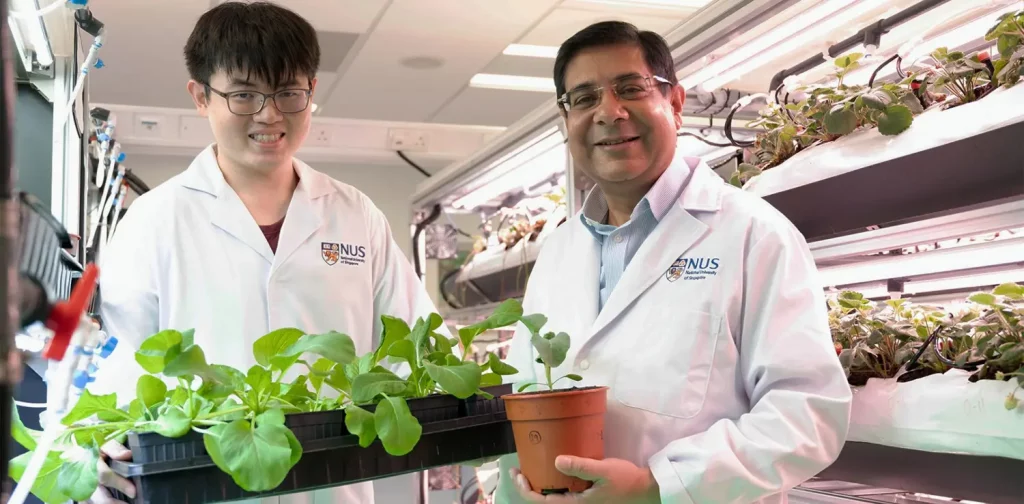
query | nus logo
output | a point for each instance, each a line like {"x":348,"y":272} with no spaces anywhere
{"x":344,"y":253}
{"x":692,"y":268}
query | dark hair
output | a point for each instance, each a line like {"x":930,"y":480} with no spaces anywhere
{"x":607,"y":33}
{"x":259,"y":38}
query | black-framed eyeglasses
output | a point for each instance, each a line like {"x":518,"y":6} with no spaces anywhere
{"x":288,"y":101}
{"x":633,"y":87}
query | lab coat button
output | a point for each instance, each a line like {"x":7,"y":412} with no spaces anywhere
{"x":618,"y":238}
{"x":584,"y":364}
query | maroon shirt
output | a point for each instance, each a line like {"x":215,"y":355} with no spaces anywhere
{"x":272,"y":232}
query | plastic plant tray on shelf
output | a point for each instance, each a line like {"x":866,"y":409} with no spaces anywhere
{"x":316,"y":426}
{"x":175,"y":470}
{"x":325,"y":463}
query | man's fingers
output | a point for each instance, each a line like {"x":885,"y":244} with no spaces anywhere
{"x":109,"y":478}
{"x":582,"y":468}
{"x":528,"y":495}
{"x":116,"y":450}
{"x":102,"y":496}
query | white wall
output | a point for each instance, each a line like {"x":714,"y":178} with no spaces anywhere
{"x":390,"y":187}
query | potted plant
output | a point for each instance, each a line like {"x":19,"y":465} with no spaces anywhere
{"x":550,"y":422}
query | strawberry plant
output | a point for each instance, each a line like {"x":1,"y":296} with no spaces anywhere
{"x":1008,"y":33}
{"x":966,"y":77}
{"x":1000,"y":333}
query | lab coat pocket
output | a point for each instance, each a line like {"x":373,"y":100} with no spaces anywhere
{"x":668,"y":368}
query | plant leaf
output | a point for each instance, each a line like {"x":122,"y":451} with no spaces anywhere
{"x":535,"y":322}
{"x":220,"y":381}
{"x":1010,"y":290}
{"x":46,"y":486}
{"x":398,"y":430}
{"x":460,"y":380}
{"x":332,"y":345}
{"x":258,"y":459}
{"x":150,"y":390}
{"x":190,"y":362}
{"x":552,"y":351}
{"x":361,"y":423}
{"x":404,"y":350}
{"x":319,"y":372}
{"x":574,"y":377}
{"x":499,"y":367}
{"x":366,"y":387}
{"x":269,"y":348}
{"x":157,"y":350}
{"x":490,"y":380}
{"x":23,"y":435}
{"x":840,"y":121}
{"x":89,"y":405}
{"x":983,"y":298}
{"x":258,"y":378}
{"x":172,"y":423}
{"x":395,"y":330}
{"x":896,"y":119}
{"x":78,"y":476}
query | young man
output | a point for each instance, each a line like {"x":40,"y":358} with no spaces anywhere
{"x":697,"y":304}
{"x":249,"y":239}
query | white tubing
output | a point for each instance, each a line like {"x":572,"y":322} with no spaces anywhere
{"x":37,"y":13}
{"x":90,"y":60}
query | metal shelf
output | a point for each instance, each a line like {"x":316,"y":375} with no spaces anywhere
{"x":993,"y":480}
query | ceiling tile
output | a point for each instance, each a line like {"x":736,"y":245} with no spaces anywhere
{"x":492,"y":107}
{"x":520,"y":65}
{"x":354,"y":16}
{"x":465,"y":34}
{"x":563,"y":23}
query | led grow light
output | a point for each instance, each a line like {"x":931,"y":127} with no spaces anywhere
{"x":513,"y":82}
{"x":519,"y":170}
{"x":799,"y":31}
{"x":982,"y":255}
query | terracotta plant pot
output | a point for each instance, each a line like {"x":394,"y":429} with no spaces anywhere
{"x":547,"y":424}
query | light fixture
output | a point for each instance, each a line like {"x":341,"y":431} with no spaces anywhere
{"x":26,"y":21}
{"x":519,"y":170}
{"x":513,"y":82}
{"x":918,"y":264}
{"x":660,"y":4}
{"x":797,"y":32}
{"x":954,"y":283}
{"x":532,"y":51}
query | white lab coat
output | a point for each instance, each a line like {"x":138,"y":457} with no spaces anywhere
{"x":724,"y":381}
{"x":189,"y":255}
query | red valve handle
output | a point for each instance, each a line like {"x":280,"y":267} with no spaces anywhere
{"x":64,"y":315}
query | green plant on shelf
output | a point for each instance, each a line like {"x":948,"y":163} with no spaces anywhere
{"x":1008,"y":32}
{"x":965,"y":76}
{"x":877,"y":340}
{"x":242,"y":416}
{"x":826,"y":113}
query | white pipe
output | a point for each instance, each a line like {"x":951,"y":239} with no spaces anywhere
{"x":37,"y":13}
{"x":90,"y":60}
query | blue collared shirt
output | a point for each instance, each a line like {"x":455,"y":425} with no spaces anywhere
{"x":620,"y":244}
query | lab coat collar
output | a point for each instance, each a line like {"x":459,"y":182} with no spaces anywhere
{"x":229,"y":213}
{"x":676,"y":233}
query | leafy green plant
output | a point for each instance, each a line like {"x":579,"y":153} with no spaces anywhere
{"x":242,"y":415}
{"x":826,"y":113}
{"x":1008,"y":33}
{"x":964,"y":76}
{"x":1000,"y":330}
{"x":551,"y":349}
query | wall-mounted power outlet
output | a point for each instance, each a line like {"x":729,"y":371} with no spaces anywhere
{"x":407,"y":140}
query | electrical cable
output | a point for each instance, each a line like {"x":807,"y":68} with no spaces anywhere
{"x":702,"y":139}
{"x":871,"y":81}
{"x":414,"y":165}
{"x":435,"y":213}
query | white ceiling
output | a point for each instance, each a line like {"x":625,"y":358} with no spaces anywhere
{"x":363,"y":43}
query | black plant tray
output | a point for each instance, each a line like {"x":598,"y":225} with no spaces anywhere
{"x":325,"y":463}
{"x":307,"y":427}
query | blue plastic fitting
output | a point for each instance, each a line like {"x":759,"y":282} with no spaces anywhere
{"x":80,"y":380}
{"x":99,"y":63}
{"x":103,"y":137}
{"x":120,"y":157}
{"x":108,"y":347}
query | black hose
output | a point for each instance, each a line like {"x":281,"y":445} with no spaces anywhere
{"x":702,"y":139}
{"x":8,"y":238}
{"x":728,"y":130}
{"x":434,"y":214}
{"x":444,"y":288}
{"x":414,"y":165}
{"x":871,"y":81}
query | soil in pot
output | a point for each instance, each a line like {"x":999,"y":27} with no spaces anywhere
{"x":547,"y":424}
